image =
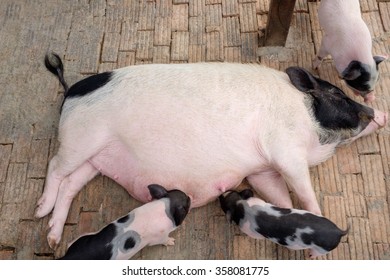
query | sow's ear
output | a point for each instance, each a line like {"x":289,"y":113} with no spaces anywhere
{"x":302,"y":79}
{"x":157,"y":191}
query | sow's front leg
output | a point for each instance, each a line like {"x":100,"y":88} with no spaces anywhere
{"x":292,"y":172}
{"x":271,"y":186}
{"x":298,"y":179}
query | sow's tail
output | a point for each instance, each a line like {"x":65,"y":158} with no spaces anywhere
{"x":54,"y":64}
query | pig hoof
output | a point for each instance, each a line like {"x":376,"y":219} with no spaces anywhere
{"x":308,"y":255}
{"x":53,"y":241}
{"x":42,"y":208}
{"x":39,"y":213}
{"x":316,"y":63}
{"x":314,"y":210}
{"x":54,"y":236}
{"x":170,"y":242}
{"x":50,"y":223}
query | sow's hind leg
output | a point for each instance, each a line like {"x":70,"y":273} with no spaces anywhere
{"x":54,"y":178}
{"x":68,"y":189}
{"x":292,"y":172}
{"x":69,"y":170}
{"x":68,"y":159}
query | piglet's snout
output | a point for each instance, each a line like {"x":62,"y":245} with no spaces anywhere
{"x":370,"y":97}
{"x":380,"y":118}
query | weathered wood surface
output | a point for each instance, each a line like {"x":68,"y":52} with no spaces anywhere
{"x":278,"y":23}
{"x":353,"y":187}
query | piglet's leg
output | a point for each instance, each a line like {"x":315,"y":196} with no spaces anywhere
{"x":170,"y":241}
{"x":321,"y":54}
{"x":68,"y":189}
{"x":271,"y":186}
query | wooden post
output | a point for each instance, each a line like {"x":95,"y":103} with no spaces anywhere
{"x":278,"y":24}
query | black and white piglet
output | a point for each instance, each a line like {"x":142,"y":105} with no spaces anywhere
{"x":348,"y":40}
{"x":147,"y":225}
{"x":293,"y":228}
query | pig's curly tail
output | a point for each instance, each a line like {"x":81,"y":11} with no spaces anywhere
{"x":54,"y":64}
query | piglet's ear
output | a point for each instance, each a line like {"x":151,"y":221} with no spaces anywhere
{"x":353,"y":71}
{"x":247,"y":193}
{"x":380,"y":58}
{"x":157,"y":191}
{"x":301,"y":79}
{"x":179,"y":214}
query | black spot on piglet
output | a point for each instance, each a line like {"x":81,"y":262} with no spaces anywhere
{"x":124,"y":219}
{"x":129,"y":243}
{"x":283,"y":211}
{"x":94,"y":246}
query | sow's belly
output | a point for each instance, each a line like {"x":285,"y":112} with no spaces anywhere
{"x":203,"y":176}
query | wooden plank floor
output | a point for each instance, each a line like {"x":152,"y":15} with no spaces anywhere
{"x":353,"y":187}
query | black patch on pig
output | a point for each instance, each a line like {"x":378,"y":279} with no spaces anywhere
{"x":157,"y":191}
{"x":125,"y":241}
{"x":230,"y":206}
{"x":93,"y":246}
{"x":129,"y":243}
{"x":283,"y":211}
{"x":237,"y":213}
{"x":325,"y":233}
{"x":332,"y":108}
{"x":357,"y":76}
{"x":246,"y":194}
{"x":89,"y":85}
{"x":124,"y":219}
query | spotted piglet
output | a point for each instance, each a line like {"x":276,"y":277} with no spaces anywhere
{"x":147,"y":225}
{"x":293,"y":228}
{"x":348,"y":40}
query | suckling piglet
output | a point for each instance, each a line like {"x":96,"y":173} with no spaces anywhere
{"x":296,"y":229}
{"x":147,"y":225}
